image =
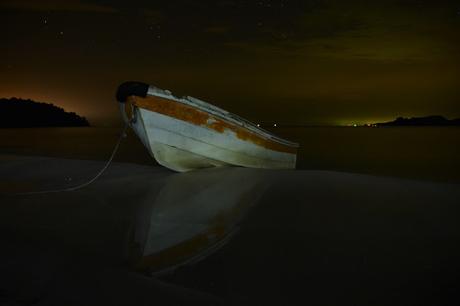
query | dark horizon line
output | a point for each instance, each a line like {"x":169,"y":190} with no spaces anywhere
{"x":432,"y":120}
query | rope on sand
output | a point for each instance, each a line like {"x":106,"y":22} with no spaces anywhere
{"x":85,"y":184}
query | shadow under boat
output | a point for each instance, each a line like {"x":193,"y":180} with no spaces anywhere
{"x":192,"y":216}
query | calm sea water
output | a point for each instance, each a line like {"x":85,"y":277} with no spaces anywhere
{"x":429,"y":153}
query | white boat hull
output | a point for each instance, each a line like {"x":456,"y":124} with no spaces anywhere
{"x":184,"y":136}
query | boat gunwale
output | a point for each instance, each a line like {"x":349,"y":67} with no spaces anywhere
{"x":219,"y":113}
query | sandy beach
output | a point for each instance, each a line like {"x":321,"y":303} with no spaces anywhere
{"x":143,"y":235}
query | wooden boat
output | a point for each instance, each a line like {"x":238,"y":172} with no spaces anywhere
{"x":186,"y":133}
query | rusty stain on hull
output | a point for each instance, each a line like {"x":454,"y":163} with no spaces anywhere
{"x":196,"y":116}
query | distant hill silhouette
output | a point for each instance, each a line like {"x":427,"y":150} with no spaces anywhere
{"x":16,"y":113}
{"x":422,"y":121}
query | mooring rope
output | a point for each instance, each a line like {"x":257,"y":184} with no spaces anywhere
{"x":85,"y":184}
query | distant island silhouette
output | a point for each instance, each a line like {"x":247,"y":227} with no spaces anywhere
{"x":422,"y":121}
{"x":19,"y":113}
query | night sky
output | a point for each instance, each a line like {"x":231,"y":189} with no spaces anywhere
{"x":293,"y":62}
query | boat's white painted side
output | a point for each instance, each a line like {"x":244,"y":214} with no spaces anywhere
{"x":184,"y":146}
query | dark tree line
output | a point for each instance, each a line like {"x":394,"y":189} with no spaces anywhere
{"x":15,"y":113}
{"x":422,"y":121}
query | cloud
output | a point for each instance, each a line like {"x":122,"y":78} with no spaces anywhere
{"x":56,"y":5}
{"x":152,"y":15}
{"x":372,"y":32}
{"x":217,"y":29}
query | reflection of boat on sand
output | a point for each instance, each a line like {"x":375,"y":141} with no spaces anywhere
{"x":186,"y":133}
{"x":192,"y":216}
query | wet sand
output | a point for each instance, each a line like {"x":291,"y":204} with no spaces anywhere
{"x":231,"y":236}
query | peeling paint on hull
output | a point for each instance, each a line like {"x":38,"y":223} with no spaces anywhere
{"x":187,"y":134}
